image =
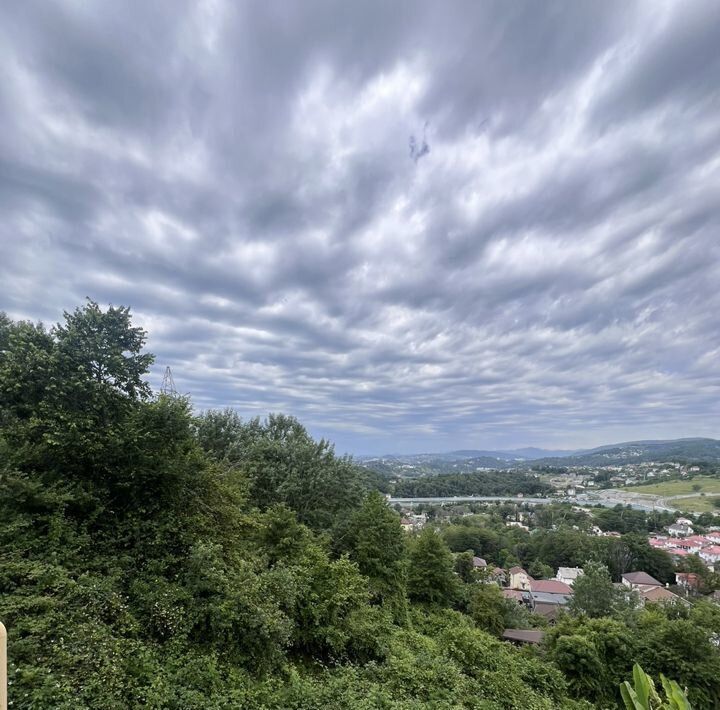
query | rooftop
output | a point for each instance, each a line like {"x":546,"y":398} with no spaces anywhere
{"x":641,"y":578}
{"x":550,"y":598}
{"x":658,"y":594}
{"x":523,"y":635}
{"x":552,"y":586}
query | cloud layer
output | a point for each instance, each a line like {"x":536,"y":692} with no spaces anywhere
{"x":240,"y":174}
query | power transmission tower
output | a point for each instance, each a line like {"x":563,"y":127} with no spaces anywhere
{"x":168,"y":384}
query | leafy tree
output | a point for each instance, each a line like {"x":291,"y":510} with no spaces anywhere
{"x":431,"y":576}
{"x":540,"y":570}
{"x":578,"y":659}
{"x":375,"y":540}
{"x":220,"y":433}
{"x":487,"y":607}
{"x":465,"y":568}
{"x":70,"y":398}
{"x":283,"y":464}
{"x":594,"y":593}
{"x":595,"y":653}
{"x":679,"y":647}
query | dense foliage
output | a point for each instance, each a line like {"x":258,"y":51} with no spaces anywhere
{"x":483,"y":483}
{"x":152,"y":558}
{"x":562,"y":545}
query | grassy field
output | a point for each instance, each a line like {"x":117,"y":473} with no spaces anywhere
{"x":667,"y":489}
{"x":696,"y":504}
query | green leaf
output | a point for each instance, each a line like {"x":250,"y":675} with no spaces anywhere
{"x":630,"y":697}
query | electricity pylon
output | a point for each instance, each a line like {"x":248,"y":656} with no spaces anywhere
{"x":168,"y":384}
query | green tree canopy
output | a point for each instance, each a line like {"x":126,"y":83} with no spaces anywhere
{"x":594,"y":593}
{"x":431,"y":576}
{"x":374,"y":539}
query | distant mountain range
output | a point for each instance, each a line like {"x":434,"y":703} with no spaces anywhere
{"x":627,"y":452}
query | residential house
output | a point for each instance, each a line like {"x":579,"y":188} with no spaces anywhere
{"x":519,"y":579}
{"x":550,"y":586}
{"x":710,"y":555}
{"x":688,"y":580}
{"x":517,"y":595}
{"x":653,"y":594}
{"x":568,"y":575}
{"x":479,"y":563}
{"x":680,"y":529}
{"x":523,"y":636}
{"x":635,"y":580}
{"x":692,"y":544}
{"x":548,"y":604}
{"x":419,"y":520}
{"x":661,"y":542}
{"x":516,"y":524}
{"x":498,"y":575}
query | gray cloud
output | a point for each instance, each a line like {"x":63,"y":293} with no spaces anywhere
{"x":239,"y":173}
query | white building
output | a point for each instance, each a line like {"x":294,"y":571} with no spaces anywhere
{"x":711,"y":555}
{"x":680,"y":530}
{"x":568,"y":575}
{"x":519,"y":579}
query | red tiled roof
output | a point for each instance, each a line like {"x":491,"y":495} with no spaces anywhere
{"x":516,"y":570}
{"x":697,"y":540}
{"x":552,"y":586}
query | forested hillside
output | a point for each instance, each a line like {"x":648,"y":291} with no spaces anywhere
{"x":152,"y":558}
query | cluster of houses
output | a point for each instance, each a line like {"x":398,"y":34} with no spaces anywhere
{"x":548,"y":597}
{"x":412,"y":521}
{"x":681,"y":541}
{"x":650,"y":590}
{"x":542,"y":596}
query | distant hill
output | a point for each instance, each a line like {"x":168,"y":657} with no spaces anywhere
{"x":467,"y":460}
{"x":529,"y":453}
{"x":642,"y":451}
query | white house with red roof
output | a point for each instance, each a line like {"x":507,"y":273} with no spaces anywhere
{"x":711,"y":554}
{"x":692,"y":544}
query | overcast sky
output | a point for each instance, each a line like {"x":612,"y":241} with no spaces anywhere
{"x":240,"y":174}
